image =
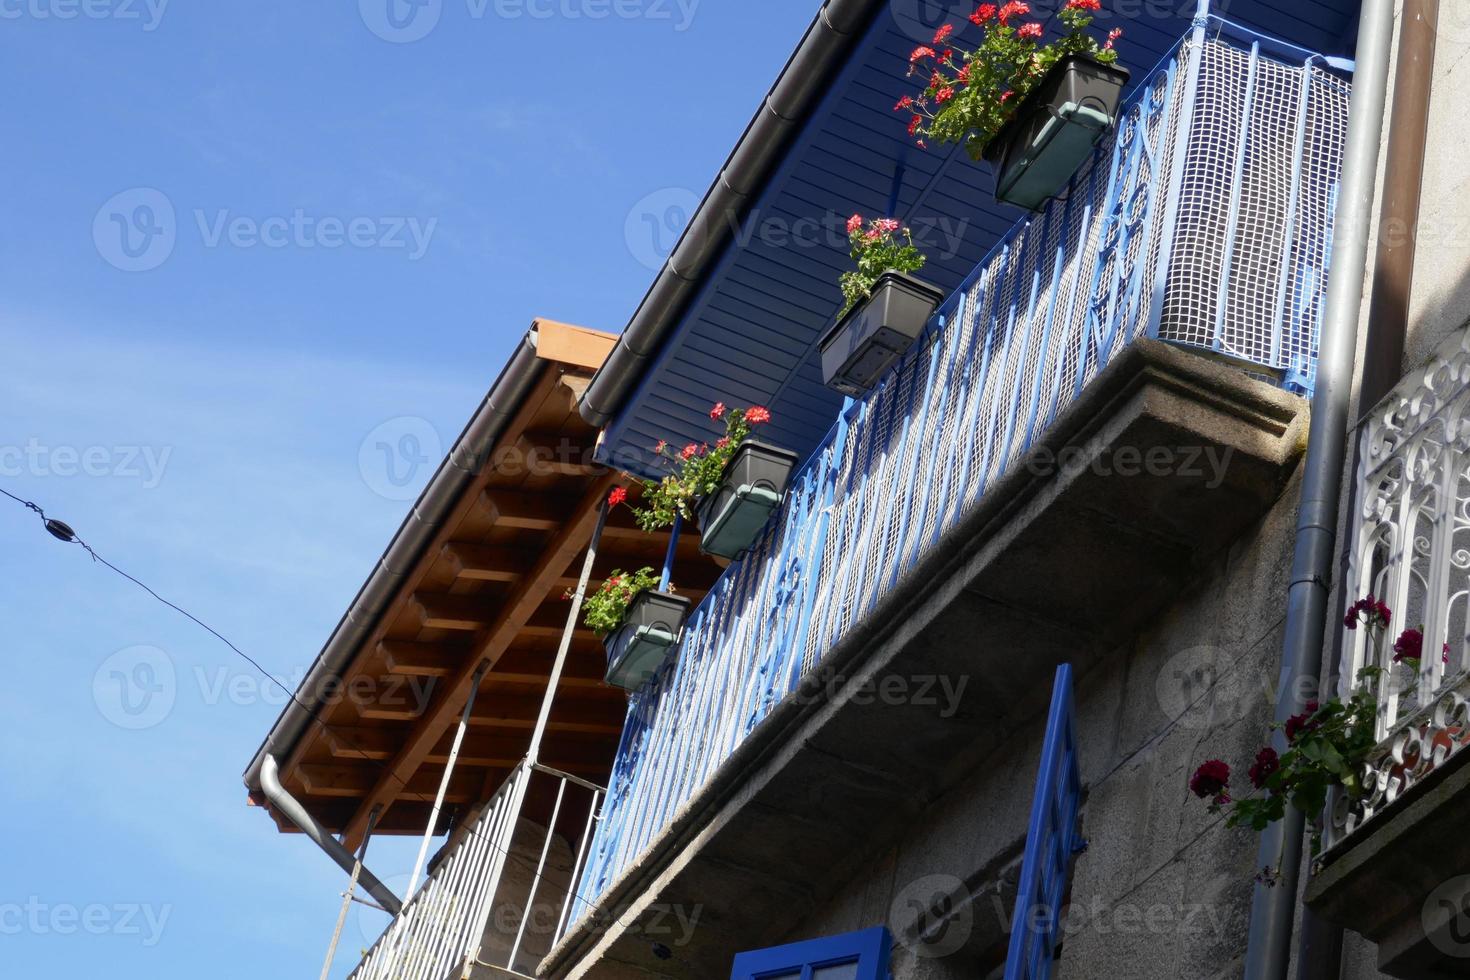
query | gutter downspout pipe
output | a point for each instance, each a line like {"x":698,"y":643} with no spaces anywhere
{"x":1319,"y":952}
{"x":1268,"y":953}
{"x":291,"y":808}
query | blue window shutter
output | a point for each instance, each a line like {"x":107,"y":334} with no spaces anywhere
{"x":1052,"y":839}
{"x":855,"y":956}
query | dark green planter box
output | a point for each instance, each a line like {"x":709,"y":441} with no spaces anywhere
{"x":1055,"y":130}
{"x":639,"y":647}
{"x":751,"y":488}
{"x":861,"y":346}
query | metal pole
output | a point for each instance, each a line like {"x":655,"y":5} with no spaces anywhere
{"x":534,"y":752}
{"x":1268,"y":954}
{"x":347,"y":896}
{"x":668,"y":574}
{"x":464,"y":723}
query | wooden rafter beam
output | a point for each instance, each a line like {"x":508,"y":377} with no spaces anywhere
{"x":549,"y":386}
{"x":569,"y":539}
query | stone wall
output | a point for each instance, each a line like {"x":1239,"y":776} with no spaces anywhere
{"x":1164,"y":888}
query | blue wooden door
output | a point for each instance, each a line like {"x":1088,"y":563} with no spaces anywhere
{"x":855,"y":956}
{"x":1052,"y":840}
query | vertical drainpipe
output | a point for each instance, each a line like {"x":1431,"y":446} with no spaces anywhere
{"x":1268,"y":954}
{"x":1320,"y":950}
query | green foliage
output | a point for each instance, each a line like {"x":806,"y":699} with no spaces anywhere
{"x":605,"y":609}
{"x":695,"y":470}
{"x":1327,"y":748}
{"x":971,"y":95}
{"x":880,"y":247}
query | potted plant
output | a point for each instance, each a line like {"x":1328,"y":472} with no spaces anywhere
{"x":1326,"y":747}
{"x":885,"y":308}
{"x":639,"y":624}
{"x":729,"y":490}
{"x":1033,"y":111}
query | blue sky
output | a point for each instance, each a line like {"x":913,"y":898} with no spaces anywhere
{"x":237,"y":240}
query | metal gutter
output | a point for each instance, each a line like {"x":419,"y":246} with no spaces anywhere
{"x":1268,"y":953}
{"x":1319,"y":950}
{"x":835,"y":31}
{"x":282,"y":800}
{"x":433,"y":506}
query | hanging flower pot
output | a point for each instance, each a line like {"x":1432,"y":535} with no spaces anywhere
{"x":1055,"y":130}
{"x":1033,"y":109}
{"x":638,"y":623}
{"x":752,"y":485}
{"x":646,"y":639}
{"x":865,"y":342}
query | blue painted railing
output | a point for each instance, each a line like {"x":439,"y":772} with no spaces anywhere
{"x":1205,"y":221}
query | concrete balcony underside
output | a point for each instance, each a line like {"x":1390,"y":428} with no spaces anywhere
{"x":1060,"y":563}
{"x":1404,"y":881}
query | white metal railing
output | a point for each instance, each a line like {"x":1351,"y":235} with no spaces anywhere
{"x":1411,"y":548}
{"x":500,"y":898}
{"x":1206,"y":222}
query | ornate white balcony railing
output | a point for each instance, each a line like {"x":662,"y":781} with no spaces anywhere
{"x":500,"y":897}
{"x":1411,"y":549}
{"x":1206,"y":222}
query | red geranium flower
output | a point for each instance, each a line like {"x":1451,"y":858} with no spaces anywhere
{"x":942,"y":35}
{"x":914,"y":124}
{"x":1297,"y":724}
{"x":1030,"y":32}
{"x":1211,"y":779}
{"x":662,"y":445}
{"x":1092,"y":6}
{"x":903,"y":103}
{"x":718,"y":412}
{"x":1267,"y":763}
{"x":1368,"y":610}
{"x":1014,"y":9}
{"x":985,"y":12}
{"x":944,"y":95}
{"x":923,"y":51}
{"x":689,"y":452}
{"x":757,"y":415}
{"x":618,"y":495}
{"x":1409,"y":646}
